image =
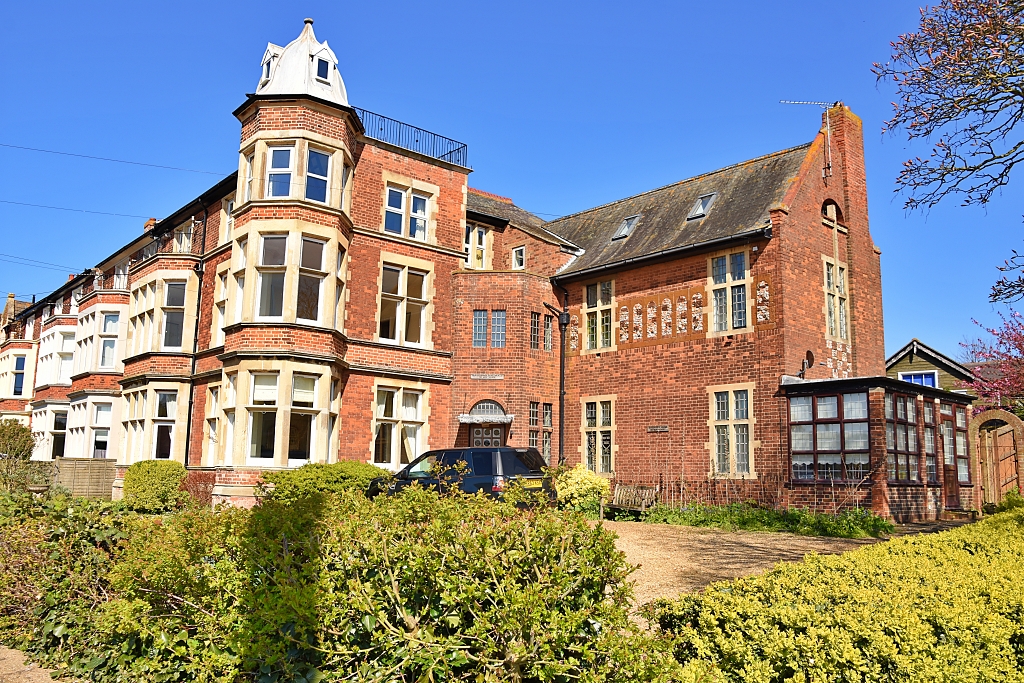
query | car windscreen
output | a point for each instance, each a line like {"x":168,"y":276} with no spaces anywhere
{"x":423,"y":467}
{"x":516,"y":462}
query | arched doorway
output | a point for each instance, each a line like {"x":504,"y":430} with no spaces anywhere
{"x":488,"y":424}
{"x":998,"y":438}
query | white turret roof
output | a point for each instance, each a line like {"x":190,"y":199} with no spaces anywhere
{"x":296,"y":69}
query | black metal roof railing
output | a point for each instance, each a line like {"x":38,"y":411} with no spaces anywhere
{"x":412,"y":138}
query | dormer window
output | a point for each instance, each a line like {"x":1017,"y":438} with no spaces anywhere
{"x":322,"y":69}
{"x":626,"y":227}
{"x":266,"y":70}
{"x":703,"y":205}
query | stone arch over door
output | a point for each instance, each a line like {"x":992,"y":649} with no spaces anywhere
{"x":997,"y":437}
{"x":486,"y":424}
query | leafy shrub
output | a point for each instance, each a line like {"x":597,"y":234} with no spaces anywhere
{"x":580,"y":489}
{"x":1011,"y":501}
{"x":154,"y":486}
{"x":16,"y":445}
{"x":55,"y":554}
{"x":852,"y":523}
{"x":926,"y":608}
{"x":410,"y":587}
{"x":290,"y":485}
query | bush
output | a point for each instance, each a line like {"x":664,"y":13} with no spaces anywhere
{"x":55,"y":555}
{"x":290,"y":485}
{"x":933,"y":607}
{"x":852,"y":523}
{"x":1011,"y":501}
{"x":580,"y":489}
{"x":154,"y":486}
{"x":409,"y":587}
{"x":16,"y":445}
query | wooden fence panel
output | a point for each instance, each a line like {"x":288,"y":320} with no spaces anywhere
{"x":90,"y":478}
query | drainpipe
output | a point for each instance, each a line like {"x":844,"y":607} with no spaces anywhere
{"x":199,"y":268}
{"x":563,"y":324}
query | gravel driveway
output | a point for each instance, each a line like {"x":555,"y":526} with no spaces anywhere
{"x":682,"y":559}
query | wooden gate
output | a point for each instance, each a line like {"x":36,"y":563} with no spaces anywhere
{"x":998,"y":436}
{"x":1005,"y":460}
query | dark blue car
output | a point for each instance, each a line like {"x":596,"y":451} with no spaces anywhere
{"x":490,"y":470}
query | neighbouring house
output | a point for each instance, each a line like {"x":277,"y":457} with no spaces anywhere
{"x":921,"y":364}
{"x":347,"y":295}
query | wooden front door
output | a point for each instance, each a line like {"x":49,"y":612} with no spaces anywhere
{"x":487,"y":435}
{"x":950,"y":485}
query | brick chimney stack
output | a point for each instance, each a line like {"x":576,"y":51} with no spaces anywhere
{"x":149,"y":224}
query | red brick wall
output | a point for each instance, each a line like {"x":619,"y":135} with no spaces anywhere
{"x":529,"y":374}
{"x":368,"y":192}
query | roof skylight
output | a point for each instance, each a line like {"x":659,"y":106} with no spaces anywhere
{"x":626,"y":227}
{"x":703,"y":205}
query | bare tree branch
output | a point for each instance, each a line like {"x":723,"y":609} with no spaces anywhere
{"x":960,"y":82}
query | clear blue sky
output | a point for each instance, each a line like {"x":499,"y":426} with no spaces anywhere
{"x":564,"y":106}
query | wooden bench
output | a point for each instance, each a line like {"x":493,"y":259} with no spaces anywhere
{"x":635,"y":497}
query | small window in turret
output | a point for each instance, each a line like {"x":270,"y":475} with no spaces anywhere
{"x":322,"y":69}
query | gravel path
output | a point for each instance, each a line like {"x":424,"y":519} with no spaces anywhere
{"x":681,"y":559}
{"x":13,"y":669}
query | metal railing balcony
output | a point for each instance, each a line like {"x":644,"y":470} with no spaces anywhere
{"x":412,"y":138}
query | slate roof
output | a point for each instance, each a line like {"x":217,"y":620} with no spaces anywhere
{"x":744,"y":194}
{"x":504,"y":209}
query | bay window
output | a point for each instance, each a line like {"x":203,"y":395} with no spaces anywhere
{"x":163,"y":424}
{"x":311,"y":278}
{"x":108,"y":340}
{"x":271,"y":276}
{"x":317,"y":176}
{"x":279,"y":171}
{"x":263,"y":417}
{"x":303,"y":416}
{"x":173,"y":314}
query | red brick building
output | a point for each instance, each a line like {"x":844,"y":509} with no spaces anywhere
{"x":347,"y":295}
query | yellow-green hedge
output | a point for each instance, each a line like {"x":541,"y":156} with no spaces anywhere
{"x":940,"y":607}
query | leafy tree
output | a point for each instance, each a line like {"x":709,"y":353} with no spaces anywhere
{"x":960,"y":78}
{"x":16,"y":445}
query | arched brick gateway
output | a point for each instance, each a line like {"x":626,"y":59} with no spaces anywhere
{"x":998,"y":439}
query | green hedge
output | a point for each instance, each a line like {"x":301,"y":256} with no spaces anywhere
{"x":291,"y":485}
{"x":154,"y":486}
{"x":752,"y":517}
{"x":340,"y":587}
{"x":940,"y":607}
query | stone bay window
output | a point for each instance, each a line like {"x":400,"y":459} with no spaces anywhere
{"x":293,"y":276}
